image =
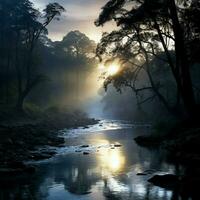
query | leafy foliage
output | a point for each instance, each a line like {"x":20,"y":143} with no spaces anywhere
{"x":149,"y":28}
{"x":21,"y":26}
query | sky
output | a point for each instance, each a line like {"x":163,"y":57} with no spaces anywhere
{"x":80,"y":15}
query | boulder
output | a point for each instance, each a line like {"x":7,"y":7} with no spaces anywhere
{"x":117,"y":145}
{"x":84,"y":146}
{"x":165,"y":181}
{"x":86,"y":153}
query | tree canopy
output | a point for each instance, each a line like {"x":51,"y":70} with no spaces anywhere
{"x":21,"y":26}
{"x":148,"y":28}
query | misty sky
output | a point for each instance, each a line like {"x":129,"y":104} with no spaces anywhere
{"x":80,"y":15}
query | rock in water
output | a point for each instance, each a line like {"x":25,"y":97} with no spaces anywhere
{"x":117,"y":145}
{"x":141,"y":174}
{"x":86,"y":153}
{"x":84,"y":146}
{"x":166,"y":181}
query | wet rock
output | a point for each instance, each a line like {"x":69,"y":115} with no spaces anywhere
{"x":40,"y":156}
{"x":84,"y":146}
{"x":141,"y":174}
{"x":20,"y":142}
{"x":86,"y":153}
{"x":117,"y":145}
{"x":165,"y":181}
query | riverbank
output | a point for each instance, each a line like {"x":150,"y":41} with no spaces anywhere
{"x":181,"y":148}
{"x":181,"y":142}
{"x":21,"y":141}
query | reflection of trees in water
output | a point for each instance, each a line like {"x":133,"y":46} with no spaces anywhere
{"x":78,"y":174}
{"x":78,"y":180}
{"x":148,"y":194}
{"x":108,"y":193}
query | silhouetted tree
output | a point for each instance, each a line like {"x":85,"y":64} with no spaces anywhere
{"x":164,"y":22}
{"x":21,"y":27}
{"x":68,"y":64}
{"x":136,"y":51}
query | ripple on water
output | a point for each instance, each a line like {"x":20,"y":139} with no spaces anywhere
{"x":103,"y":125}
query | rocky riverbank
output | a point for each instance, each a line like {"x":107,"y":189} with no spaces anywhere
{"x":181,"y":145}
{"x":181,"y":148}
{"x":22,"y":142}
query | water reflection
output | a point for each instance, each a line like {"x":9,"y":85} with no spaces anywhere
{"x":107,"y":173}
{"x":111,"y":160}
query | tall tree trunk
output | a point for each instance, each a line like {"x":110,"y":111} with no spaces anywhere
{"x":24,"y":91}
{"x":182,"y":63}
{"x":154,"y":87}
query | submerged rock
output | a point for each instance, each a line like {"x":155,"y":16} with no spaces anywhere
{"x":165,"y":181}
{"x":86,"y":153}
{"x":117,"y":145}
{"x":142,"y":174}
{"x":40,"y":156}
{"x":84,"y":146}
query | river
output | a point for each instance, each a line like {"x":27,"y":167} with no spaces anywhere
{"x":99,"y":162}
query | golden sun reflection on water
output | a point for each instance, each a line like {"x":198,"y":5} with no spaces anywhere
{"x":111,"y":160}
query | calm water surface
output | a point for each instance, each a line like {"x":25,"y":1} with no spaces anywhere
{"x":98,"y":172}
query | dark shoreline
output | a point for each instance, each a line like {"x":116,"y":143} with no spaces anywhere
{"x":180,"y":147}
{"x":22,"y":143}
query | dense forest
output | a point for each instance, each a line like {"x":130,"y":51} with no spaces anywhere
{"x":32,"y":63}
{"x":141,"y":77}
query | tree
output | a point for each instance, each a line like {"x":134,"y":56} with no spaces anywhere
{"x":139,"y":67}
{"x":163,"y":21}
{"x":78,"y":51}
{"x":68,"y":71}
{"x":25,"y":26}
{"x":34,"y":29}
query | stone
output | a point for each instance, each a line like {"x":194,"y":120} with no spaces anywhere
{"x":86,"y":153}
{"x":141,"y":174}
{"x":165,"y":181}
{"x":84,"y":146}
{"x":117,"y":145}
